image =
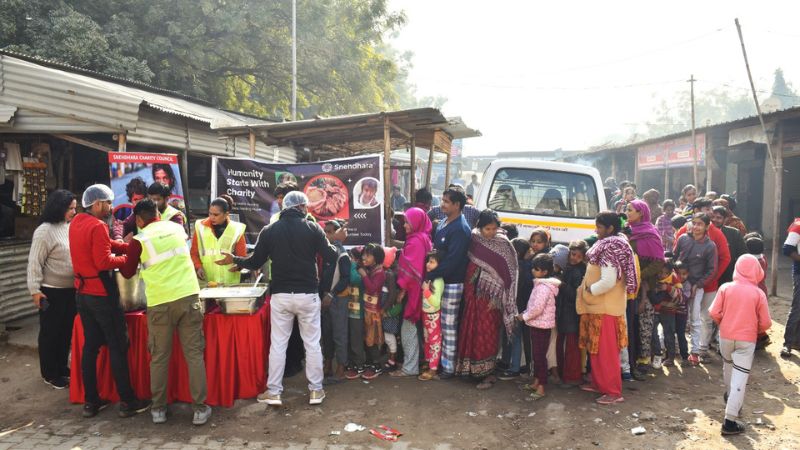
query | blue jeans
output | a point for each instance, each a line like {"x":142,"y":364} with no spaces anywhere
{"x":516,"y":348}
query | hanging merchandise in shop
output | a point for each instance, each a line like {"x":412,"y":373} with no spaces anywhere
{"x":344,"y":189}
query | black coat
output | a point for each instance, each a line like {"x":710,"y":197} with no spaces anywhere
{"x":292,"y":243}
{"x":567,"y":318}
{"x":737,"y":248}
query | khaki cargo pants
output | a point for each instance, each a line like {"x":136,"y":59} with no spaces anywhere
{"x":184,"y":316}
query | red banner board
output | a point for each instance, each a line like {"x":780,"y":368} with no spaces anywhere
{"x":673,"y":153}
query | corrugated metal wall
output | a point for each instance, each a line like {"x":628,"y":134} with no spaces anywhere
{"x":27,"y":121}
{"x":15,"y":302}
{"x":159,"y":129}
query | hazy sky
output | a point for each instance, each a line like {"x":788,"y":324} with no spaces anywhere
{"x":541,"y":75}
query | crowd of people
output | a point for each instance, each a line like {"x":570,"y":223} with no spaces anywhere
{"x":459,"y":294}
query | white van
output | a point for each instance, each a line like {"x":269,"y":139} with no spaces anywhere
{"x":563,"y":198}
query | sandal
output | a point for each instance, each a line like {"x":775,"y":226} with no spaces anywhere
{"x":588,"y":388}
{"x":535,"y":395}
{"x":528,"y":387}
{"x":428,"y":375}
{"x":487,"y":383}
{"x":609,"y":400}
{"x":399,"y":374}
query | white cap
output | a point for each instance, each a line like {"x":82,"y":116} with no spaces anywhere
{"x":294,"y":198}
{"x":96,"y":193}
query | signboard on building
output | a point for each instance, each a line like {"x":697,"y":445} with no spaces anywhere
{"x":672,"y":154}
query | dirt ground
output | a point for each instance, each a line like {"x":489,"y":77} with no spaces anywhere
{"x":679,"y":408}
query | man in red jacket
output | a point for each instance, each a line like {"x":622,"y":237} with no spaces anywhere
{"x":704,"y":205}
{"x":93,"y":262}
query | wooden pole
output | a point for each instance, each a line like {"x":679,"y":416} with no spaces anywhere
{"x":614,"y":166}
{"x":666,"y":173}
{"x":430,"y":168}
{"x":777,"y":165}
{"x":252,"y":144}
{"x":122,"y":142}
{"x":447,"y":171}
{"x":694,"y":134}
{"x":387,"y":186}
{"x":413,"y":183}
{"x":709,"y":164}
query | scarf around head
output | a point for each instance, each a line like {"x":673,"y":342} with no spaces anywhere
{"x":499,"y":273}
{"x":645,"y":234}
{"x":614,"y":251}
{"x":411,"y":266}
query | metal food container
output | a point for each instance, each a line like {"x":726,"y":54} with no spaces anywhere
{"x":236,"y":299}
{"x":131,"y":292}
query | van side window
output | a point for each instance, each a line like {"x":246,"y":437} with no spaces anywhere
{"x":544,"y":192}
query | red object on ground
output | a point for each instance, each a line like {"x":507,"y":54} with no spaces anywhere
{"x":236,"y":355}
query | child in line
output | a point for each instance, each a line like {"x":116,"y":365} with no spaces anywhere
{"x":432,"y":327}
{"x":560,"y":254}
{"x":682,"y":308}
{"x":521,"y":337}
{"x":568,"y":354}
{"x":741,"y":311}
{"x":391,"y":307}
{"x":541,"y":317}
{"x":667,"y":295}
{"x":540,"y":242}
{"x":755,"y":247}
{"x":664,"y":225}
{"x":374,"y":278}
{"x":357,"y":358}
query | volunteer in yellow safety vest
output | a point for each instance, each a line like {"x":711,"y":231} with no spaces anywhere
{"x":173,"y":305}
{"x":214,"y":235}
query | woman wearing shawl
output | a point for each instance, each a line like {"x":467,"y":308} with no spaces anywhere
{"x":410,"y":274}
{"x":552,"y":200}
{"x":610,"y":277}
{"x":646,"y":244}
{"x":504,"y":199}
{"x":490,"y":299}
{"x":731,"y":220}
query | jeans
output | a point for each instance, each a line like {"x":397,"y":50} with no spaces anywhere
{"x":185,"y":317}
{"x":356,"y":356}
{"x":55,"y":332}
{"x":104,"y":324}
{"x":632,"y":320}
{"x":791,"y":337}
{"x":695,"y":312}
{"x":667,"y":322}
{"x":680,"y":332}
{"x":284,"y":308}
{"x":334,"y":331}
{"x":512,"y":350}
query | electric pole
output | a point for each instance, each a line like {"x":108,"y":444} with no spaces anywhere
{"x":694,"y":135}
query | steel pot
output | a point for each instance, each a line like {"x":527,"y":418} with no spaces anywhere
{"x":131,"y":292}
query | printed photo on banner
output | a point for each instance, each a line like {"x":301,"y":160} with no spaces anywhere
{"x":348,"y":190}
{"x":132,"y":174}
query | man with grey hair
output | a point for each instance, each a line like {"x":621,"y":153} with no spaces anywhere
{"x":292,"y":243}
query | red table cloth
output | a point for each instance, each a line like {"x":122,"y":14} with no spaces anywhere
{"x":236,"y":356}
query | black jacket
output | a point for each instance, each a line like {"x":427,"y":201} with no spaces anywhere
{"x":292,"y":243}
{"x":329,"y":266}
{"x":567,"y":318}
{"x":737,"y":248}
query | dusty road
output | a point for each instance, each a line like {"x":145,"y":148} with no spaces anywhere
{"x":679,"y":408}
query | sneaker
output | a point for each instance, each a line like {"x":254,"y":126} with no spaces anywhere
{"x":370,"y":373}
{"x":694,"y":359}
{"x":270,"y":399}
{"x":507,"y":375}
{"x":353,"y":373}
{"x":656,"y":362}
{"x":58,"y":383}
{"x":786,"y":352}
{"x":92,"y":409}
{"x":159,"y":415}
{"x":201,"y":416}
{"x":316,"y":397}
{"x":732,"y":427}
{"x":133,"y":408}
{"x":626,"y":376}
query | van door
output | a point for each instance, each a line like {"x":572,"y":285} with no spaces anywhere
{"x":565,"y":203}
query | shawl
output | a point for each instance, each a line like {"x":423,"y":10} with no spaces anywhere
{"x":498,"y":275}
{"x":614,"y":251}
{"x":504,"y":199}
{"x":411,"y":266}
{"x":645,"y":235}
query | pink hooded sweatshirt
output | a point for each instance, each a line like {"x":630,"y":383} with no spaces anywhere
{"x":541,"y":311}
{"x":741,"y":308}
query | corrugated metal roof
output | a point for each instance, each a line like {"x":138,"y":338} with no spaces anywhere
{"x":84,"y":95}
{"x":27,"y":121}
{"x":6,"y":113}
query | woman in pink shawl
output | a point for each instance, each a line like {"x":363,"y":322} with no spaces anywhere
{"x":410,"y":274}
{"x":646,"y":243}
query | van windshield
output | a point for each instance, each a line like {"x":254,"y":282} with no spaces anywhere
{"x":544,"y":192}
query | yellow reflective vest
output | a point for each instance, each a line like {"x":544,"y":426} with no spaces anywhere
{"x":167,"y":268}
{"x":210,"y":249}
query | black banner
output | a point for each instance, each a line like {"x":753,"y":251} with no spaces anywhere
{"x":348,"y":189}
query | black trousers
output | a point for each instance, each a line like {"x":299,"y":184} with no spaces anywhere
{"x":55,"y":332}
{"x":632,"y":319}
{"x":104,"y":324}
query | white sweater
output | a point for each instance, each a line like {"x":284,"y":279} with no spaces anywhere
{"x":50,"y":264}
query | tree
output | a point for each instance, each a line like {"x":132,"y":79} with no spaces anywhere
{"x":712,"y":106}
{"x":782,"y":90}
{"x":234,"y":53}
